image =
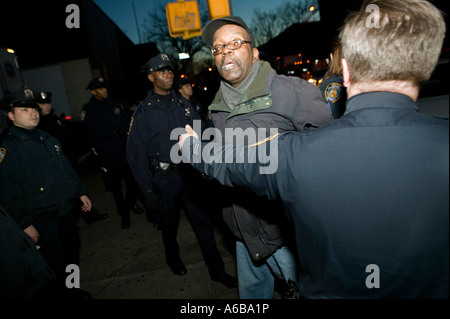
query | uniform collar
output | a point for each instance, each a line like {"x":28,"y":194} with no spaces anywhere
{"x":26,"y":134}
{"x":380,"y":100}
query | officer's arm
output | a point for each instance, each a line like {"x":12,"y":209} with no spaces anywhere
{"x":136,"y":152}
{"x":234,"y":165}
{"x":10,"y":187}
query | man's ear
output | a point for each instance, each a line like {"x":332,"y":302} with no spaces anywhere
{"x":150,"y":77}
{"x":345,"y":73}
{"x":255,"y":55}
{"x":11,"y":116}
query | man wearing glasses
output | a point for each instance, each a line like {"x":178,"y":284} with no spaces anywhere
{"x":253,"y":96}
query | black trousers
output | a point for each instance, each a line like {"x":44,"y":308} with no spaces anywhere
{"x":174,"y":196}
{"x":118,"y":170}
{"x":59,"y":243}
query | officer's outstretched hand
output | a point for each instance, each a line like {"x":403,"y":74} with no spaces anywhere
{"x":183,"y":137}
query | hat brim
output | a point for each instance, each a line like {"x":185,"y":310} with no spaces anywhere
{"x":212,"y":26}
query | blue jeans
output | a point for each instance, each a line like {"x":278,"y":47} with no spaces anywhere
{"x":256,"y":281}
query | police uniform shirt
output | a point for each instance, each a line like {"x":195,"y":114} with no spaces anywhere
{"x":103,"y":120}
{"x":150,"y":130}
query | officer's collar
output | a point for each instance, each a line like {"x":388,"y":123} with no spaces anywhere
{"x":34,"y":133}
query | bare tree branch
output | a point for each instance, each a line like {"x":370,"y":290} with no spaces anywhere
{"x":268,"y":24}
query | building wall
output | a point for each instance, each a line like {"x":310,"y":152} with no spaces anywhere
{"x":77,"y":75}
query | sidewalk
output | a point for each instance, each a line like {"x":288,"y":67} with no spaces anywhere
{"x":118,"y":263}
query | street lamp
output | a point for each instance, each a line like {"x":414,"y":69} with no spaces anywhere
{"x":312,"y":9}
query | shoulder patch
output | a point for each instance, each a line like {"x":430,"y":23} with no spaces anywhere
{"x":333,"y":92}
{"x":82,"y":116}
{"x":2,"y":154}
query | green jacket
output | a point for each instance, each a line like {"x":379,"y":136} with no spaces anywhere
{"x":272,"y":101}
{"x":37,"y":182}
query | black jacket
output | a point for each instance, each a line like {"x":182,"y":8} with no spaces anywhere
{"x":37,"y":181}
{"x":106,"y":124}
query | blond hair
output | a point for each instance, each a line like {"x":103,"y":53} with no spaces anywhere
{"x":393,"y":40}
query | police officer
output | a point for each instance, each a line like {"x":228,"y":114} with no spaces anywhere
{"x":106,"y":125}
{"x":148,"y":152}
{"x":23,"y":271}
{"x":40,"y":189}
{"x":332,"y":86}
{"x":184,"y":87}
{"x":51,"y":123}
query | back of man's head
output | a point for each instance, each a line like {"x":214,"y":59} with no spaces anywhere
{"x":393,"y":40}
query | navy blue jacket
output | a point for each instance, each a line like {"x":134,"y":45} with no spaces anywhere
{"x":150,"y":134}
{"x":106,"y":125}
{"x":36,"y":179}
{"x":368,"y":190}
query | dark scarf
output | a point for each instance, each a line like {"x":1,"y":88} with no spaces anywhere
{"x":232,"y":95}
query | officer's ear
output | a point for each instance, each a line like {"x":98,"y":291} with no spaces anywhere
{"x":150,"y":77}
{"x":345,"y":73}
{"x":11,"y":114}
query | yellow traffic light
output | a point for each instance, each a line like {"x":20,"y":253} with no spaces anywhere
{"x":219,"y":9}
{"x":183,"y":18}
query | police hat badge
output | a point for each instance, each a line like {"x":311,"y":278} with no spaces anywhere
{"x":96,"y":83}
{"x":157,"y":63}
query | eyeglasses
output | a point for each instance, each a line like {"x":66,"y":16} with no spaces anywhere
{"x":232,"y":45}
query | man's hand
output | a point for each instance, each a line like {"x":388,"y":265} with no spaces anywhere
{"x":87,"y":205}
{"x":32,"y":232}
{"x":183,"y":137}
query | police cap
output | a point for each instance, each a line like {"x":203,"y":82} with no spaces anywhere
{"x":158,"y":62}
{"x":213,"y":25}
{"x":181,"y":82}
{"x":43,"y":97}
{"x":96,"y":83}
{"x":23,"y":98}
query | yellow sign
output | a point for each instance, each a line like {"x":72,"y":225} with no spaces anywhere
{"x":183,"y":18}
{"x":219,"y":9}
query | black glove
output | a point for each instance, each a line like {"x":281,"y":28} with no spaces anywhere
{"x":151,"y":205}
